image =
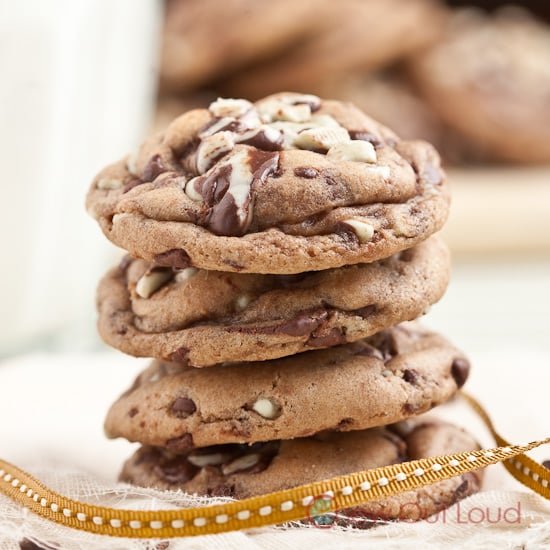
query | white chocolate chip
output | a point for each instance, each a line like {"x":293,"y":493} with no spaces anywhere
{"x":151,"y":281}
{"x":242,"y":301}
{"x":242,"y":463}
{"x":186,"y":274}
{"x":325,"y":121}
{"x":210,"y":459}
{"x":383,"y":171}
{"x":321,"y":138}
{"x":216,"y":127}
{"x":266,"y":408}
{"x":363,"y":230}
{"x":211,"y":148}
{"x":191,"y":192}
{"x":109,"y":183}
{"x":303,"y":98}
{"x":223,"y":107}
{"x":274,"y":109}
{"x":355,"y":150}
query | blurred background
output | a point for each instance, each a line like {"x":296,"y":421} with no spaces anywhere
{"x":84,"y":81}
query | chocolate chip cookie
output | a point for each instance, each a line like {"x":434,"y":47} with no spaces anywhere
{"x":209,"y":317}
{"x":204,"y":40}
{"x":393,"y":375}
{"x":360,"y":36}
{"x":489,"y":79}
{"x":289,"y":184}
{"x":242,"y":471}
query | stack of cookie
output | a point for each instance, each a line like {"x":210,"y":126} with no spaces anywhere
{"x":278,"y":252}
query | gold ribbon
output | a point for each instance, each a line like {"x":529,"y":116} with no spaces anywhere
{"x":292,"y":504}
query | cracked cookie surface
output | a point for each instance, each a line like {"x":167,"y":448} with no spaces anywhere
{"x":205,"y":317}
{"x":393,"y":375}
{"x":289,"y":184}
{"x":243,"y":471}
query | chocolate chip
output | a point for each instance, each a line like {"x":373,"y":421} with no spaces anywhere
{"x":174,"y":258}
{"x":410,"y":376}
{"x":26,"y":544}
{"x":546,"y":464}
{"x":180,"y":356}
{"x":365,"y":312}
{"x":460,"y":369}
{"x":306,"y":172}
{"x":334,"y":337}
{"x":176,"y":470}
{"x":132,"y":412}
{"x":385,"y":343}
{"x":182,"y":407}
{"x":364,"y":136}
{"x":181,"y":443}
{"x":406,"y":255}
{"x":153,"y":168}
{"x":261,"y":141}
{"x":302,"y":324}
{"x":409,"y":409}
{"x":344,"y":424}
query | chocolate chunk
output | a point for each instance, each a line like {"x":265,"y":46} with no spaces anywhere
{"x":176,"y":470}
{"x":176,"y":257}
{"x":334,"y":337}
{"x":365,"y":312}
{"x":460,"y":369}
{"x":153,"y":168}
{"x":546,"y":464}
{"x":132,"y":412}
{"x":306,"y":172}
{"x":364,"y":136}
{"x":182,"y":407}
{"x":181,"y":443}
{"x":408,"y":409}
{"x":344,"y":424}
{"x":180,"y":356}
{"x":303,"y":324}
{"x":410,"y":376}
{"x":261,"y":141}
{"x":26,"y":544}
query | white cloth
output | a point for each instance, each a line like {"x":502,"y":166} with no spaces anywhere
{"x":51,"y":412}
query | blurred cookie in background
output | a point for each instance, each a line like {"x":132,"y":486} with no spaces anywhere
{"x":358,"y":35}
{"x":389,"y":99}
{"x":489,"y":80}
{"x":206,"y":39}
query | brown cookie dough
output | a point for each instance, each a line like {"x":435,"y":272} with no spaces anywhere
{"x":290,"y":184}
{"x":361,"y":35}
{"x":489,"y":80}
{"x":398,"y":373}
{"x":243,"y":471}
{"x":210,"y":317}
{"x":204,"y":40}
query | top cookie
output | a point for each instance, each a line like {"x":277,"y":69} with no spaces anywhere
{"x":289,"y":184}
